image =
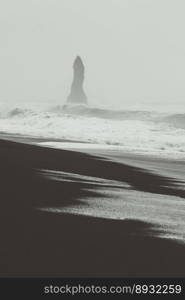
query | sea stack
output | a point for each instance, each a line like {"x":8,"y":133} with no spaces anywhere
{"x":77,"y":94}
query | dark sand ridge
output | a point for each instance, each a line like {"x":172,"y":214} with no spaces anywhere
{"x":36,"y":243}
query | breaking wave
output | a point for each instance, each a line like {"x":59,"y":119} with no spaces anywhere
{"x":136,"y":131}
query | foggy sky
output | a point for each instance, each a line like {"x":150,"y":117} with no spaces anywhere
{"x":133,"y":50}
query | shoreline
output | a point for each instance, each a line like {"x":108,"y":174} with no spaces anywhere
{"x":85,"y":147}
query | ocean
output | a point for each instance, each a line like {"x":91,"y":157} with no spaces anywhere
{"x":138,"y":131}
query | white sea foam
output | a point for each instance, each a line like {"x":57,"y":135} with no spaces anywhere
{"x":134,"y":131}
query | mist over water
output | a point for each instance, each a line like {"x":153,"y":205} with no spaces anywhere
{"x":133,"y":75}
{"x":143,"y":130}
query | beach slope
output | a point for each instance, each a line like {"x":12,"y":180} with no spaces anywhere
{"x":54,"y":222}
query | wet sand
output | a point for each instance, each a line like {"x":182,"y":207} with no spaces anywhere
{"x":38,"y":242}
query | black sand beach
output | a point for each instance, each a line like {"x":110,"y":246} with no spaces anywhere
{"x":41,"y":243}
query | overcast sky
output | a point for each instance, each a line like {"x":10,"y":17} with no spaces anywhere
{"x":133,"y":50}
